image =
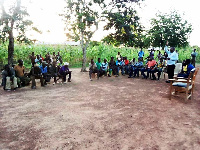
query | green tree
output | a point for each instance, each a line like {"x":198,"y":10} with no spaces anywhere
{"x":169,"y":27}
{"x":13,"y":20}
{"x":125,"y":21}
{"x":82,"y":22}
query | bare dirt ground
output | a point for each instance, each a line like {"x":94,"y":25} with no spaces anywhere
{"x":110,"y":113}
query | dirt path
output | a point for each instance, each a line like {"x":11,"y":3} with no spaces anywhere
{"x":110,"y":113}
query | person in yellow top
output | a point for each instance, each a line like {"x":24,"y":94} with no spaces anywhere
{"x":19,"y":69}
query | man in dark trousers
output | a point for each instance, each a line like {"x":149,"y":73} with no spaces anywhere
{"x":193,"y":55}
{"x":171,"y":60}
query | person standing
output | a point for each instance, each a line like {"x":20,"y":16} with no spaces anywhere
{"x":32,"y":57}
{"x":141,"y":54}
{"x":194,"y":55}
{"x":171,"y":60}
{"x":118,"y":56}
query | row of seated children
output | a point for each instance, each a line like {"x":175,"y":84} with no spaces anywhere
{"x":17,"y":78}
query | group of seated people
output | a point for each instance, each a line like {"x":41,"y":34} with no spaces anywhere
{"x":50,"y":67}
{"x":122,"y":64}
{"x":13,"y":77}
{"x":132,"y":68}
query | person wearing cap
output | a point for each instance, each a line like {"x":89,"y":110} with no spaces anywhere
{"x":171,"y":60}
{"x":64,"y":71}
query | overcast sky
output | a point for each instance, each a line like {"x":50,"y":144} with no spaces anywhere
{"x":44,"y":14}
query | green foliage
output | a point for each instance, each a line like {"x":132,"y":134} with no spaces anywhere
{"x":15,"y":20}
{"x":125,"y":21}
{"x":169,"y":27}
{"x":82,"y":21}
{"x":74,"y":54}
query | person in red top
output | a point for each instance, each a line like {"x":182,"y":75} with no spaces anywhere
{"x":149,"y":66}
{"x":126,"y":65}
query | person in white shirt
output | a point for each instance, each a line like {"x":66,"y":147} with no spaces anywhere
{"x":104,"y":67}
{"x":171,"y":60}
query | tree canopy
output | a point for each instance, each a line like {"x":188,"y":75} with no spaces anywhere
{"x":125,"y":21}
{"x":14,"y":20}
{"x":82,"y":21}
{"x":169,"y":27}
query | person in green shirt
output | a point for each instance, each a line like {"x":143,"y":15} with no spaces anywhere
{"x":98,"y":63}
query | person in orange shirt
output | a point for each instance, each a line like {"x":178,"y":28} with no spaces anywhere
{"x":19,"y":69}
{"x":126,"y":61}
{"x":149,"y":66}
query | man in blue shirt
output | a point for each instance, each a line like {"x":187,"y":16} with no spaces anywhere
{"x":119,"y":64}
{"x":44,"y":71}
{"x":141,"y":54}
{"x":135,"y":68}
{"x":171,"y":60}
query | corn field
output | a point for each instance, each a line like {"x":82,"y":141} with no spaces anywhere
{"x":73,"y":54}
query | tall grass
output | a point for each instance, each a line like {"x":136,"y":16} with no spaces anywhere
{"x":73,"y":54}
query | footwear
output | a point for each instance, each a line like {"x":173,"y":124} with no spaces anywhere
{"x":153,"y":79}
{"x":129,"y":77}
{"x":167,"y":81}
{"x":109,"y":75}
{"x":69,"y":80}
{"x":90,"y":79}
{"x":54,"y":83}
{"x":65,"y":82}
{"x":34,"y":87}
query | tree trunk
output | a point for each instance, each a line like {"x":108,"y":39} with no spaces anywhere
{"x":83,"y":69}
{"x":10,"y":48}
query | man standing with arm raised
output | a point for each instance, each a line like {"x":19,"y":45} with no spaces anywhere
{"x":171,"y":60}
